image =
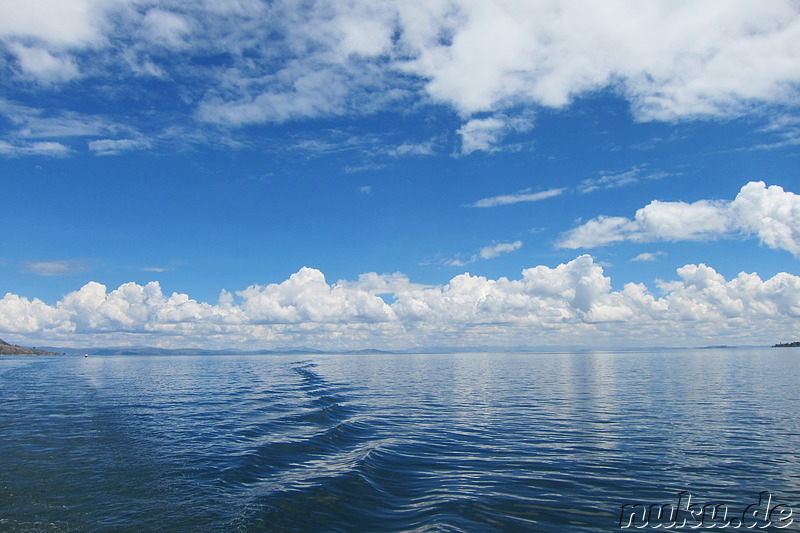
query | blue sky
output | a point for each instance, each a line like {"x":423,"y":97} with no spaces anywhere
{"x":264,"y":174}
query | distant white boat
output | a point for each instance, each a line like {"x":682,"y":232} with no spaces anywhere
{"x":86,"y":355}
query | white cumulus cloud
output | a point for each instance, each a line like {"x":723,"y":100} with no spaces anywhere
{"x":769,"y":213}
{"x":307,"y":297}
{"x":571,"y":303}
{"x":671,"y":59}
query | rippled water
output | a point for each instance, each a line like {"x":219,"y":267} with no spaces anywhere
{"x":464,"y":442}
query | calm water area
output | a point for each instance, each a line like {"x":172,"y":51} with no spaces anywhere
{"x":446,"y":442}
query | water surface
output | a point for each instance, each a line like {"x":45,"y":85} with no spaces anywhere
{"x":454,"y":442}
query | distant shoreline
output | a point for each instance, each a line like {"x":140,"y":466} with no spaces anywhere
{"x":13,"y":349}
{"x":5,"y":349}
{"x":795,"y":344}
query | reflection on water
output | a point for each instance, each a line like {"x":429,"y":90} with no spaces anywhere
{"x":458,"y":442}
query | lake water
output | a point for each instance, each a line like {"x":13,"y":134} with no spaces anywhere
{"x":457,"y":442}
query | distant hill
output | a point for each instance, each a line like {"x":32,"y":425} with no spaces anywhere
{"x":13,"y":349}
{"x":149,"y":350}
{"x":795,"y":344}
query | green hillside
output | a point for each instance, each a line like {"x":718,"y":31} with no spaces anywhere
{"x":13,"y":349}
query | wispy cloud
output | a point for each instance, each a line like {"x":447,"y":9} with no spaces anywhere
{"x":411,"y":149}
{"x":366,"y":167}
{"x":456,"y":261}
{"x":59,"y":267}
{"x":117,"y":146}
{"x":487,"y":252}
{"x":520,"y":196}
{"x":37,"y":123}
{"x":607,"y":180}
{"x":785,"y":130}
{"x":670,"y":61}
{"x":649,"y":256}
{"x":495,"y":250}
{"x":44,"y":148}
{"x":157,"y":269}
{"x":485,"y":134}
{"x":369,"y":146}
{"x":613,"y":180}
{"x":43,"y":66}
{"x":38,"y":131}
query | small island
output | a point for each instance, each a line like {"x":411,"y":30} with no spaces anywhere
{"x":795,"y":344}
{"x":13,"y":349}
